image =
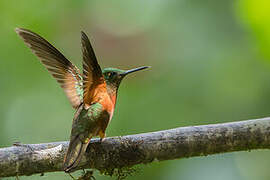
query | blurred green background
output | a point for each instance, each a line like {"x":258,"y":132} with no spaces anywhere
{"x":210,"y":64}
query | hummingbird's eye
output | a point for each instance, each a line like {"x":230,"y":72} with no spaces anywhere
{"x":111,"y":74}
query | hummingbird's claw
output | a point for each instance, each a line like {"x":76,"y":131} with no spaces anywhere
{"x":101,"y":140}
{"x":102,"y":135}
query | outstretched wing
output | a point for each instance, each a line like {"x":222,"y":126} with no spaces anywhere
{"x":57,"y":64}
{"x":92,"y":74}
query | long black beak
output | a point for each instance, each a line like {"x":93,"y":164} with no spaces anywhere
{"x":134,"y":70}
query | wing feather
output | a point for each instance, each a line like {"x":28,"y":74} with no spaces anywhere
{"x":92,"y":73}
{"x":66,"y":74}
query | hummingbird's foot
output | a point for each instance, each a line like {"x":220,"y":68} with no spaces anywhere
{"x":101,"y":140}
{"x":102,"y":135}
{"x":19,"y":144}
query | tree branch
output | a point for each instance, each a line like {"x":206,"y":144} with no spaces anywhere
{"x":126,"y":151}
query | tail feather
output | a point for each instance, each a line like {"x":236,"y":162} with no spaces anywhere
{"x":74,"y":154}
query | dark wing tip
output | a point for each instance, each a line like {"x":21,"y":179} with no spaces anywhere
{"x":21,"y":30}
{"x":83,"y":33}
{"x":24,"y":32}
{"x":84,"y":36}
{"x":17,"y":30}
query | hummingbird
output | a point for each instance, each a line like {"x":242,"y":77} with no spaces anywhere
{"x":93,"y":93}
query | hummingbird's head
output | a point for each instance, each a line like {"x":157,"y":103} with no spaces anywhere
{"x":114,"y":76}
